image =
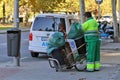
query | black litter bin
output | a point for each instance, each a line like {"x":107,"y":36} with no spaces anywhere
{"x":13,"y":42}
{"x":80,"y":42}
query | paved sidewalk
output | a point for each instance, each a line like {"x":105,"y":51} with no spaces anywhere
{"x":34,"y":71}
{"x":108,"y":44}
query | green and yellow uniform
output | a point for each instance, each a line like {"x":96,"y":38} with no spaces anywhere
{"x":90,"y":28}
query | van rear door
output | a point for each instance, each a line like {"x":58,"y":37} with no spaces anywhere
{"x":42,"y":28}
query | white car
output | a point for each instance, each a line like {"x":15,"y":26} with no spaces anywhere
{"x":107,"y":18}
{"x":42,"y":27}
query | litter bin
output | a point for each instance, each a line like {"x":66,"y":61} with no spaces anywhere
{"x":13,"y":42}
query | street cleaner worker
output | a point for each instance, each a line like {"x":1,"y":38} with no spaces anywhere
{"x":90,"y":28}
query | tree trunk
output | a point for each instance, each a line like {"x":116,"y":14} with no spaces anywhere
{"x":119,"y":19}
{"x":82,"y":10}
{"x":3,"y":12}
{"x":113,"y":3}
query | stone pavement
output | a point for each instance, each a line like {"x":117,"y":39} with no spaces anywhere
{"x":33,"y":70}
{"x":108,"y":44}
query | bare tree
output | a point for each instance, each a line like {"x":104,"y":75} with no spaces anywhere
{"x":113,"y":3}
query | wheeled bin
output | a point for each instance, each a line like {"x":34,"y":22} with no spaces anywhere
{"x":64,"y":57}
{"x":68,"y":56}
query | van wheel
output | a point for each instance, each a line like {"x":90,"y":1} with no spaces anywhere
{"x":34,"y":54}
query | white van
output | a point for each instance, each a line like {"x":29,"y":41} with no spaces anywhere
{"x":42,"y":27}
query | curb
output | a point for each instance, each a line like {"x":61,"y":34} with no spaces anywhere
{"x":5,"y":31}
{"x":109,"y":48}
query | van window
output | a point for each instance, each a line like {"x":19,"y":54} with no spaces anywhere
{"x":47,"y":23}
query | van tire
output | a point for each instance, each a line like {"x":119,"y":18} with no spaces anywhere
{"x":34,"y":54}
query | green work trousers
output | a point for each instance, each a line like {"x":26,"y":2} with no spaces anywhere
{"x":93,"y":52}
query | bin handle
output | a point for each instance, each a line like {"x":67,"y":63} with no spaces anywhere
{"x":53,"y":60}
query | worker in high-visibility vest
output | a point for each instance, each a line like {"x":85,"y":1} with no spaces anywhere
{"x":90,"y":28}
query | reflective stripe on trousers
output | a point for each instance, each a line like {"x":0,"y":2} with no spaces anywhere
{"x":90,"y":66}
{"x":97,"y":65}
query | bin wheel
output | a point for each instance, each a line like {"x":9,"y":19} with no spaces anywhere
{"x":34,"y":54}
{"x":80,"y":65}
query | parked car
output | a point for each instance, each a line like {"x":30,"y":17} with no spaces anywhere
{"x":42,"y":27}
{"x":106,"y":18}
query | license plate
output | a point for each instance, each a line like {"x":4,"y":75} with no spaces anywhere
{"x":44,"y":38}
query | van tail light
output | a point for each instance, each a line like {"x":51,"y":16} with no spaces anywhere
{"x":30,"y":37}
